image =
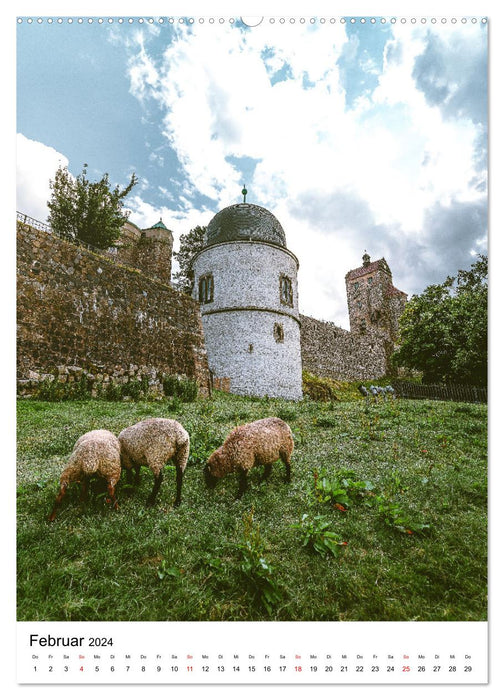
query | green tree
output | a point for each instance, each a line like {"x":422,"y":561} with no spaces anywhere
{"x":190,"y":244}
{"x":90,"y":212}
{"x":443,"y":332}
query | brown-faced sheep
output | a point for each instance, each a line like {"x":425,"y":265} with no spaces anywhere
{"x":96,"y":453}
{"x":261,"y":442}
{"x":153,"y":442}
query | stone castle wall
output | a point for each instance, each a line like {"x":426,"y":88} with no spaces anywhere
{"x":330,"y":351}
{"x":79,"y":308}
{"x":79,"y":311}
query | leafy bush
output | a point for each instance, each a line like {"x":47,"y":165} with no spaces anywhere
{"x":180,"y":387}
{"x":340,"y":489}
{"x":317,"y":536}
{"x":344,"y":488}
{"x":258,"y":573}
{"x":133,"y":389}
{"x":319,"y":388}
{"x":54,"y":390}
{"x":393,"y":514}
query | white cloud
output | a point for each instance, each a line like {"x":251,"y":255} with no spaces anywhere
{"x":394,"y":152}
{"x":379,"y":175}
{"x":36,"y":165}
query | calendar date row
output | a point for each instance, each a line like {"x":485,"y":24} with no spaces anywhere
{"x":269,"y":668}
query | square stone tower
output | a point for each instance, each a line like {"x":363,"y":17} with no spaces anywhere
{"x":374,"y":304}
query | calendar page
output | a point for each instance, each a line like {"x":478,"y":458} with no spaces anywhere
{"x":252,"y":374}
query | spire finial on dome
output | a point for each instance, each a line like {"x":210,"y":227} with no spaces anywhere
{"x":244,"y":193}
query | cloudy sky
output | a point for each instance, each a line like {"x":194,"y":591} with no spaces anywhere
{"x":356,"y":135}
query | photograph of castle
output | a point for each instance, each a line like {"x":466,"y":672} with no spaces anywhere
{"x":252,"y":341}
{"x":243,"y":327}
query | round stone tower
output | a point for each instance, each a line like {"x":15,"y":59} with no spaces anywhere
{"x":246,"y":281}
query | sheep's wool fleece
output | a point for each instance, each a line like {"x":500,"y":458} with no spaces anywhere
{"x":96,"y":452}
{"x":261,"y":442}
{"x":153,"y":442}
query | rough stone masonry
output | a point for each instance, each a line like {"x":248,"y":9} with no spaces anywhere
{"x":77,"y":308}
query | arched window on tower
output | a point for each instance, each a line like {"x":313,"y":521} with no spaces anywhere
{"x":286,"y":296}
{"x":278,"y":332}
{"x":206,"y":289}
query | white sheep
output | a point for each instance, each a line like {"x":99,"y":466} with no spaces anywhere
{"x":154,"y":442}
{"x":96,"y":453}
{"x":247,"y":446}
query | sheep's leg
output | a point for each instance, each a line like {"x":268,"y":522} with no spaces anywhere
{"x":129,"y":482}
{"x":267,"y":471}
{"x":286,"y":460}
{"x":242,"y":483}
{"x":180,"y":475}
{"x":129,"y":475}
{"x":58,"y":500}
{"x":157,"y":483}
{"x":180,"y":461}
{"x":84,"y":488}
{"x":112,"y":498}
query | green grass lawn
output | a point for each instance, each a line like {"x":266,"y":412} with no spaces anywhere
{"x":385,"y":518}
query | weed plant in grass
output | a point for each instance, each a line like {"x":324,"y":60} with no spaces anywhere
{"x":402,"y":484}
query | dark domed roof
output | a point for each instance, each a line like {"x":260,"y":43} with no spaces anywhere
{"x":245,"y":222}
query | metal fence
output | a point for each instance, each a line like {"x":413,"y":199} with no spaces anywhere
{"x":40,"y":225}
{"x":442,"y":392}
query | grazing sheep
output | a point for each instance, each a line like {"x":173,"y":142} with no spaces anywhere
{"x":261,"y":442}
{"x":153,"y":442}
{"x":94,"y":453}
